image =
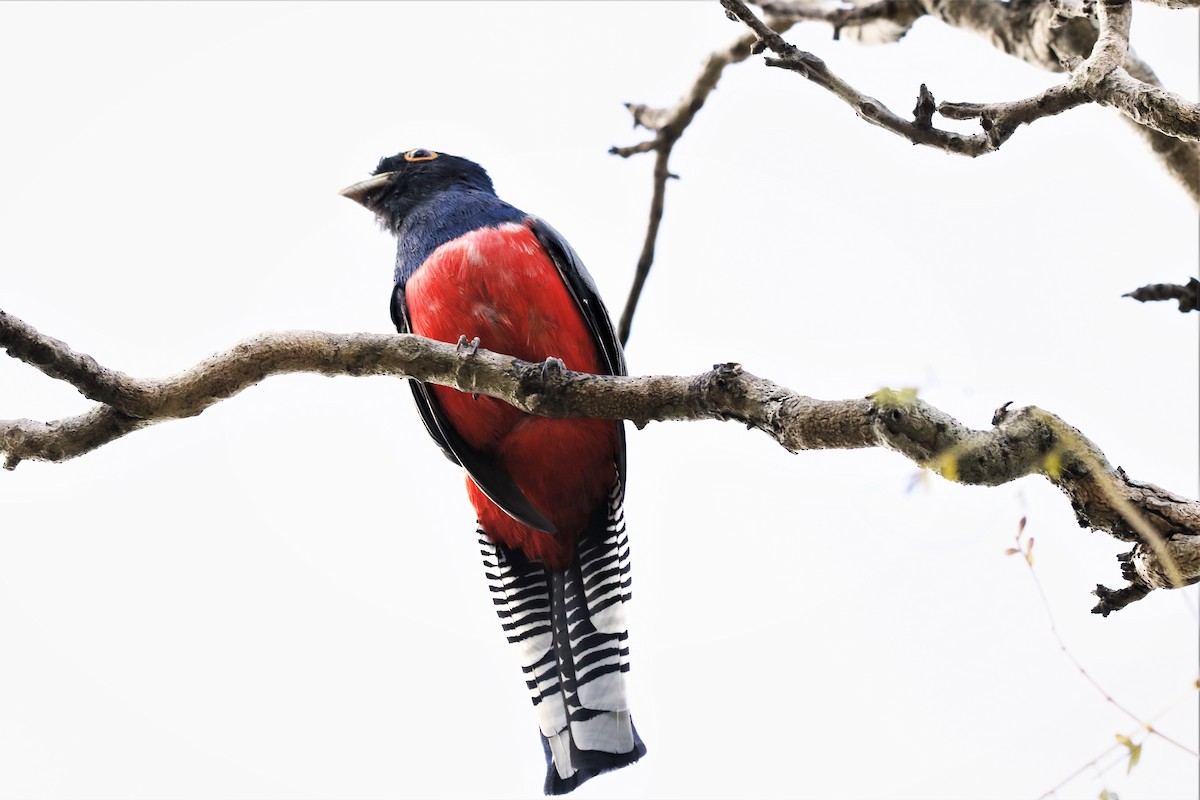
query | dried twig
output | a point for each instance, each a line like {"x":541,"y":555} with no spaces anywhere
{"x":1045,"y":34}
{"x":668,"y":125}
{"x":1188,"y":294}
{"x":1164,"y":527}
{"x":1056,"y":36}
{"x":919,"y":130}
{"x":1100,"y":78}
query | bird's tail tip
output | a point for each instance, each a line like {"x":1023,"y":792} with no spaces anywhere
{"x":586,"y":764}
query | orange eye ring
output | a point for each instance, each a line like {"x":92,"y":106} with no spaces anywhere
{"x":420,"y":154}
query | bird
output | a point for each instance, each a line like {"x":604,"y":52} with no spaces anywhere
{"x":548,"y":494}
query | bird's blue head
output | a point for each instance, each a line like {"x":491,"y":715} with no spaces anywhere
{"x":406,"y":180}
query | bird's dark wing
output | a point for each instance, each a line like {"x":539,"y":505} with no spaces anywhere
{"x":487,"y":473}
{"x":420,"y":391}
{"x":587,"y":298}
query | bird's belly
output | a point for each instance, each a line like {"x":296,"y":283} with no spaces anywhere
{"x":499,"y":284}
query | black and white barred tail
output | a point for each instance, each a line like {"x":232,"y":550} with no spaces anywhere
{"x":569,"y":628}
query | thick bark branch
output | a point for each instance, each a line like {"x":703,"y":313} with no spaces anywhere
{"x":1165,"y":528}
{"x":1177,"y":4}
{"x":1052,"y":35}
{"x":999,"y":120}
{"x":876,"y":22}
{"x":1044,"y":34}
{"x":1039,"y":34}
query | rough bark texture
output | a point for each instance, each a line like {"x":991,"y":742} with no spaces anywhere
{"x":1089,"y":40}
{"x":1164,"y":528}
{"x":1051,"y":35}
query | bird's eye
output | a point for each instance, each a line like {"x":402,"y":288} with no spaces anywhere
{"x":420,"y":154}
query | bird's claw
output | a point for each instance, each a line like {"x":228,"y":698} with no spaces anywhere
{"x":552,"y":366}
{"x":467,"y":348}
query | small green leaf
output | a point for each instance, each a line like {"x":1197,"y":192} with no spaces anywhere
{"x":1029,"y":551}
{"x":1135,"y":755}
{"x":1135,"y":751}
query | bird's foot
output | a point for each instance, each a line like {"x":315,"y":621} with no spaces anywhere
{"x":467,"y":348}
{"x":552,"y":366}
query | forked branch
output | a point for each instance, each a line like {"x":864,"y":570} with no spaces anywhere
{"x":1089,"y":39}
{"x":667,"y":126}
{"x":1100,"y":78}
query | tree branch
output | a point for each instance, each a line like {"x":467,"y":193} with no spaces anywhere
{"x":1040,"y":34}
{"x":1045,"y":34}
{"x":1175,"y":4}
{"x":876,"y":22}
{"x":668,"y":125}
{"x":1052,"y":35}
{"x":1100,"y":78}
{"x":1164,"y":527}
{"x":920,"y":130}
{"x":1188,"y":294}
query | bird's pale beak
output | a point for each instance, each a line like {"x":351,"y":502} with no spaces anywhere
{"x":359,"y":191}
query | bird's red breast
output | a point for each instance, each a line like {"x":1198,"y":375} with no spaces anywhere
{"x":497,"y":283}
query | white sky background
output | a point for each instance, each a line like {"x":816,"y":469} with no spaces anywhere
{"x":283,"y":597}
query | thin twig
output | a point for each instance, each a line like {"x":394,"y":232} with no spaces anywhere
{"x":1099,"y":78}
{"x":809,"y":66}
{"x":1147,"y":725}
{"x":1062,"y":645}
{"x":1090,"y":39}
{"x":646,"y":258}
{"x":1188,"y":294}
{"x":668,"y":125}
